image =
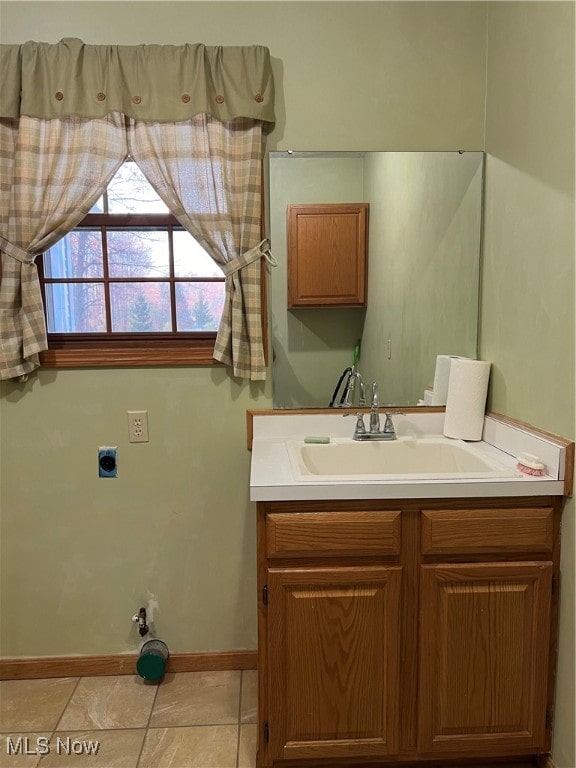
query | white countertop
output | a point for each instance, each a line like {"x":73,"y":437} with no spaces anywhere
{"x":272,"y":478}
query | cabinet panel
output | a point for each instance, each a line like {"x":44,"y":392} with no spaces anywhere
{"x":484,"y":531}
{"x":333,"y":661}
{"x":368,"y":655}
{"x":484,"y":664}
{"x":327,"y":247}
{"x":333,"y":533}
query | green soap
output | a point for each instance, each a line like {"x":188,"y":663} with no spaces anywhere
{"x":319,"y":439}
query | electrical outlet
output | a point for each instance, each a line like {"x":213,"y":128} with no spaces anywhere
{"x":108,"y":461}
{"x":138,"y":426}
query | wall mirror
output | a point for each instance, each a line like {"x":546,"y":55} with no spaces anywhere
{"x":424,"y":229}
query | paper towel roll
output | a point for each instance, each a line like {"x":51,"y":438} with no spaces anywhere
{"x":442,"y":378}
{"x":466,"y":401}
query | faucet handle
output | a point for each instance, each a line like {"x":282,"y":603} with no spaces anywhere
{"x":389,"y":424}
{"x":360,"y":426}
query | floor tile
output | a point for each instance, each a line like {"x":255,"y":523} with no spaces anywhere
{"x":123,"y":701}
{"x":114,"y":749}
{"x":197,"y":698}
{"x":15,"y":746}
{"x":248,"y":745}
{"x":27,"y":705}
{"x":200,"y":746}
{"x":249,"y":703}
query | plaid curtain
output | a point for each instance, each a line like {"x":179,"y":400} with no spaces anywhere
{"x":209,"y":175}
{"x":51,"y":174}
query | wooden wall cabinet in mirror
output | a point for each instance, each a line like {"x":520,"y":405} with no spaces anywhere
{"x":327,"y":255}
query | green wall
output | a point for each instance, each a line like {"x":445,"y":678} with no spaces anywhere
{"x":349,"y":75}
{"x":527,"y":314}
{"x":80,"y":555}
{"x":310,"y":347}
{"x":423,"y":267}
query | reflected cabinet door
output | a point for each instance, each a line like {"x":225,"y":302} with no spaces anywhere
{"x":327,"y":255}
{"x":484,"y":638}
{"x":333,"y":661}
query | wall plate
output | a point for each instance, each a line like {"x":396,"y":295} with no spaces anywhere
{"x":108,"y":461}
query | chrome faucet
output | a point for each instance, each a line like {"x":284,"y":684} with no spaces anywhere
{"x":374,"y":412}
{"x":375,"y":433}
{"x":354,"y":376}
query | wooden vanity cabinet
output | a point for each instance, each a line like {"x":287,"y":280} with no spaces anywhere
{"x":327,"y":255}
{"x":334,"y":627}
{"x":405,"y":631}
{"x":484,"y":638}
{"x":485,"y":629}
{"x":330,"y":612}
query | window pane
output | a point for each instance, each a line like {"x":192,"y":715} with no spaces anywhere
{"x":199,"y":306}
{"x":78,"y":254}
{"x":75,"y":308}
{"x":98,"y":206}
{"x":190,"y":259}
{"x":140,"y":307}
{"x":138,"y":253}
{"x":130,"y":192}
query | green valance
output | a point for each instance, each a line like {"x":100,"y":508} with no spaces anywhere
{"x":154,"y":83}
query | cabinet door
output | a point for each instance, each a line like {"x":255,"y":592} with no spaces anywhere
{"x":484,"y":637}
{"x":327,"y":251}
{"x":333,"y":662}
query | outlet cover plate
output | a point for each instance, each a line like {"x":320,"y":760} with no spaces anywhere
{"x":138,"y":426}
{"x":108,"y":461}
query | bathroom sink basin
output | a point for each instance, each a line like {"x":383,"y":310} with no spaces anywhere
{"x":406,"y":458}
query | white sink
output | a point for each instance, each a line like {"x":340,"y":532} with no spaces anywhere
{"x":434,"y":458}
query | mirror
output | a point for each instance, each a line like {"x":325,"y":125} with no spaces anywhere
{"x":423,"y":272}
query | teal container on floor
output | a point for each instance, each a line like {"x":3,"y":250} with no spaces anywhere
{"x":151,"y":663}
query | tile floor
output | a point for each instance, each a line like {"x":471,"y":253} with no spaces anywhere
{"x":190,"y":720}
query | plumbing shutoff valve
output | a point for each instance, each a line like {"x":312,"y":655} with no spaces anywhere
{"x":140,"y":619}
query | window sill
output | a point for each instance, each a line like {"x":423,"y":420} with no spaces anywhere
{"x":125,"y":357}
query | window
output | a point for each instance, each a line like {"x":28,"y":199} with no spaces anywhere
{"x":129,"y":285}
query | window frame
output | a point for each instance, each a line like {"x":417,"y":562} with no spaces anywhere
{"x":144,"y":349}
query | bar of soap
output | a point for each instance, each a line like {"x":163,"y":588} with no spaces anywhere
{"x":317,"y":439}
